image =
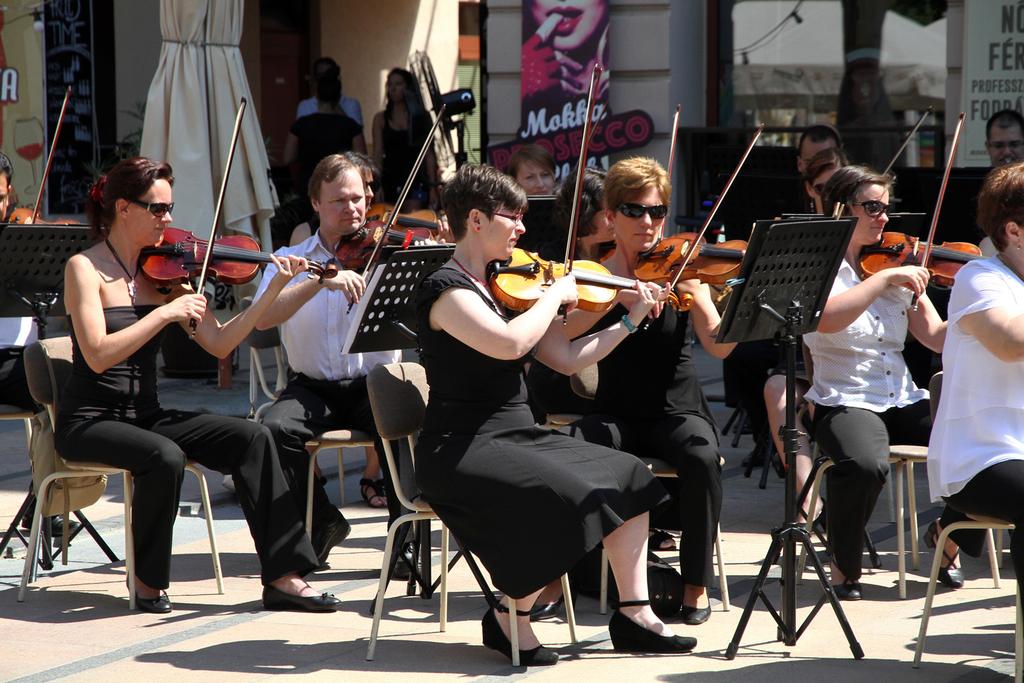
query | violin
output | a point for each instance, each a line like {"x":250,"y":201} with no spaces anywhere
{"x":524,"y":278}
{"x":24,"y":216}
{"x":235,"y":259}
{"x":354,"y":251}
{"x":712,"y":264}
{"x":896,"y":249}
{"x":426,"y":219}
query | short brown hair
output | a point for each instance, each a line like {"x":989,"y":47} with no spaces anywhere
{"x":629,"y":177}
{"x":846,"y":182}
{"x":535,"y":153}
{"x":128,"y":179}
{"x":328,"y":170}
{"x":1000,"y":201}
{"x":480,"y":187}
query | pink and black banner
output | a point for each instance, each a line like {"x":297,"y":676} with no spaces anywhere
{"x":562,"y":41}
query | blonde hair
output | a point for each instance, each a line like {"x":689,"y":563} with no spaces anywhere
{"x":630,"y":177}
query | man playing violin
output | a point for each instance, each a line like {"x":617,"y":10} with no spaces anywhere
{"x":663,"y":414}
{"x":326,"y":389}
{"x":863,"y":395}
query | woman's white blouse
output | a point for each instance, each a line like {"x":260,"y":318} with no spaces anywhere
{"x":862,"y":365}
{"x":980,"y":421}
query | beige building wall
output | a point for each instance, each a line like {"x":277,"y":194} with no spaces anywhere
{"x":369,"y":38}
{"x":649,"y":68}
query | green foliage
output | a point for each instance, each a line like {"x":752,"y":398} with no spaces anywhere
{"x":923,"y":12}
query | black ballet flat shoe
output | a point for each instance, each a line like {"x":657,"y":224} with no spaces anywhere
{"x":629,"y":636}
{"x":495,"y":639}
{"x":548,"y":611}
{"x":277,"y":600}
{"x":848,"y":590}
{"x":158,"y":605}
{"x":694,"y":616}
{"x":949,"y":576}
{"x":329,"y":534}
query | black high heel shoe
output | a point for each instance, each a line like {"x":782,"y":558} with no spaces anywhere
{"x":629,"y":636}
{"x":547,"y":611}
{"x":496,"y":639}
{"x":949,"y":576}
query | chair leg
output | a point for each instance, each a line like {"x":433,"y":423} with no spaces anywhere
{"x":1018,"y":641}
{"x":309,"y":494}
{"x":999,"y":547}
{"x":604,"y":583}
{"x":33,"y":541}
{"x":901,"y":560}
{"x":940,"y":543}
{"x":723,"y":580}
{"x":991,"y":558}
{"x":204,"y":494}
{"x":129,"y":538}
{"x":818,"y":472}
{"x":378,"y":608}
{"x":444,"y":578}
{"x":570,"y":611}
{"x":341,"y":475}
{"x":513,"y":630}
{"x":915,"y":560}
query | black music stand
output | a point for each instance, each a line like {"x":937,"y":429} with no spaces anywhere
{"x":32,"y":259}
{"x":386,"y":315}
{"x":788,"y":266}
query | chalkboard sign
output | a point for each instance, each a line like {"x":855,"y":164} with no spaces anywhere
{"x":69,"y":62}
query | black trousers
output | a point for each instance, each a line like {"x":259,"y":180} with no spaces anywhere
{"x":744,"y":372}
{"x":690,"y":444}
{"x":309,"y":407}
{"x":857,"y":440}
{"x":13,"y":383}
{"x":997,"y":491}
{"x":155,"y":449}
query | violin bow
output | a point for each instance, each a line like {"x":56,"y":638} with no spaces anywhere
{"x":942,"y":191}
{"x":907,"y":139}
{"x":220,"y":197}
{"x":49,"y":159}
{"x":672,"y":144}
{"x":393,"y":215}
{"x":694,"y":248}
{"x":581,"y":169}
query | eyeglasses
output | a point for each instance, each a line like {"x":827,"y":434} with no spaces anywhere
{"x":633,"y":210}
{"x":873,"y":207}
{"x":158,"y":209}
{"x":1006,"y":144}
{"x":514,"y":217}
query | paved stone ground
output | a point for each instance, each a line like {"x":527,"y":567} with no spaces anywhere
{"x":75,"y":623}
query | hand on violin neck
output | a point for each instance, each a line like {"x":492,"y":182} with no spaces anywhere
{"x":287,"y":268}
{"x":350,"y":283}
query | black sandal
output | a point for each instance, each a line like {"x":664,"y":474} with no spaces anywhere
{"x":372,"y":491}
{"x":949,"y":575}
{"x":661,"y":540}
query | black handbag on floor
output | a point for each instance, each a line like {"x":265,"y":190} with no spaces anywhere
{"x":664,"y":583}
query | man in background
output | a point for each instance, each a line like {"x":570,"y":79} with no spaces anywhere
{"x":348,"y":105}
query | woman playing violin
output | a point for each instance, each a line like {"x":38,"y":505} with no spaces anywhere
{"x":975,"y":458}
{"x":864,"y":397}
{"x":527,"y":501}
{"x":110,"y":412}
{"x":663,"y":413}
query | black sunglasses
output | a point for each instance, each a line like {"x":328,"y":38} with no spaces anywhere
{"x":873,"y":207}
{"x":158,"y":209}
{"x":633,"y":210}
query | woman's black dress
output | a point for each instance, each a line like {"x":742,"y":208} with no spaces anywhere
{"x":529,"y":502}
